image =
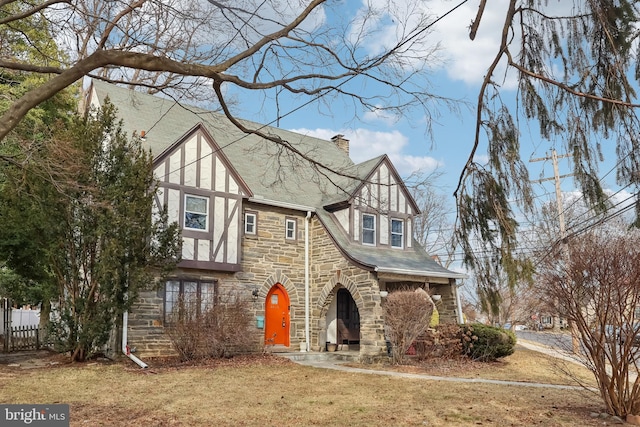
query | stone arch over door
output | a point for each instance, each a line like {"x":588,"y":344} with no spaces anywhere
{"x":328,"y":321}
{"x":296,"y":300}
{"x":327,"y":294}
{"x":279,"y":277}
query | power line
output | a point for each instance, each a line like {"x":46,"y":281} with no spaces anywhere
{"x":329,"y":90}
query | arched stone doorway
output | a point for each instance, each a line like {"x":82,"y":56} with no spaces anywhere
{"x":347,"y":319}
{"x":342,"y":319}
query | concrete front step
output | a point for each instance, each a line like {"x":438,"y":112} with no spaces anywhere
{"x":313,"y":356}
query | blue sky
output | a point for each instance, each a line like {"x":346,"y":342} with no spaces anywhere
{"x":457,"y":74}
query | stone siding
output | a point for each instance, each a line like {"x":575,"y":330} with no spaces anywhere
{"x":268,"y":258}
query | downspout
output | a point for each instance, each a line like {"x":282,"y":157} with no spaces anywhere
{"x":125,"y":347}
{"x":458,"y":304}
{"x":306,"y":280}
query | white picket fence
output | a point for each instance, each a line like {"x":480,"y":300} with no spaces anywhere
{"x":21,"y":317}
{"x":23,"y":332}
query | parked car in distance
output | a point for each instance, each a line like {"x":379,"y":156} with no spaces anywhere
{"x":611,"y":333}
{"x":507,"y":326}
{"x":520,"y":327}
{"x":630,"y":332}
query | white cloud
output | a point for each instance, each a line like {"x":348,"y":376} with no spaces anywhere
{"x":381,"y":115}
{"x":468,"y":60}
{"x":365,"y":144}
{"x":465,"y":59}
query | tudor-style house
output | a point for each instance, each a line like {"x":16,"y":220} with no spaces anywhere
{"x":316,"y":249}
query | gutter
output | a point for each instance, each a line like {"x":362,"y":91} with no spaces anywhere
{"x":306,"y":280}
{"x":443,"y":275}
{"x":279,"y":204}
{"x":125,"y":347}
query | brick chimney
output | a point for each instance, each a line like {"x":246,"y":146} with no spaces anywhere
{"x":341,"y":142}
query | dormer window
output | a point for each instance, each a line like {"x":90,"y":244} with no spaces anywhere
{"x":368,"y":229}
{"x":196,"y":213}
{"x":397,"y":233}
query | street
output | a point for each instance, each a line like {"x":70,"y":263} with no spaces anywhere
{"x":558,"y":340}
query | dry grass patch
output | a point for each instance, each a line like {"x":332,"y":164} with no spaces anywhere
{"x":269,"y":391}
{"x":524,"y":365}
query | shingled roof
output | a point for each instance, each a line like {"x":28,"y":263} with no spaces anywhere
{"x":272,"y":173}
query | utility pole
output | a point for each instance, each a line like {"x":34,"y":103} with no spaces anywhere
{"x":563,"y":231}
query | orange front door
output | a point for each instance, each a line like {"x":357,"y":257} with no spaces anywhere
{"x":276,"y":328}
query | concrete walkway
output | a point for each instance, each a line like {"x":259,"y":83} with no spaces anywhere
{"x":340,"y":366}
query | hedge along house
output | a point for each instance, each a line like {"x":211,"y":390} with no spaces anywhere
{"x":315,"y":249}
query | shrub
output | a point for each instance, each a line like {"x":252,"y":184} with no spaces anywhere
{"x":488,"y":343}
{"x":221,"y":329}
{"x":444,"y":342}
{"x":407,"y":315}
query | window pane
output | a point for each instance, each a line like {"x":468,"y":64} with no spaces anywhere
{"x":397,"y":232}
{"x":291,"y":229}
{"x":172,"y":292}
{"x":197,"y":221}
{"x":206,"y":296}
{"x":368,"y":237}
{"x":195,"y":213}
{"x":250,"y":223}
{"x":368,"y":222}
{"x":196,"y":204}
{"x":368,"y":229}
{"x":190,"y":292}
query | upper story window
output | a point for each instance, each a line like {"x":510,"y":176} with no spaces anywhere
{"x":368,"y":229}
{"x":290,"y":228}
{"x":250,"y":222}
{"x":397,"y":233}
{"x":196,"y":213}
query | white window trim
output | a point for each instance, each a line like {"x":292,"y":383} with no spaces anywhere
{"x":206,"y":214}
{"x":401,"y":234}
{"x":255,"y":223}
{"x":373,"y":229}
{"x":294,"y":229}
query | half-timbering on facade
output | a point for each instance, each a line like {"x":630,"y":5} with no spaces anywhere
{"x":313,"y":247}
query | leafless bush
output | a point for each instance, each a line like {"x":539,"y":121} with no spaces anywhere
{"x":213,"y":329}
{"x":407,"y":315}
{"x":443,"y":342}
{"x":596,"y":286}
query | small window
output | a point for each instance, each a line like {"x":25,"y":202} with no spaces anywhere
{"x":368,"y":229}
{"x":250,"y":223}
{"x":290,"y":228}
{"x":397,"y":233}
{"x":196,"y":213}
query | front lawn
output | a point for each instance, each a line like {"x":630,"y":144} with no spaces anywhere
{"x":270,"y":391}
